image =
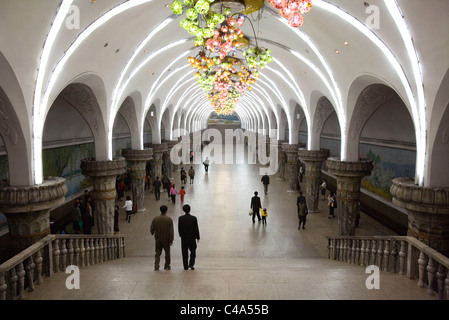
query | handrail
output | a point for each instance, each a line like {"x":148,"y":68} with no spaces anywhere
{"x":54,"y":254}
{"x":397,"y":254}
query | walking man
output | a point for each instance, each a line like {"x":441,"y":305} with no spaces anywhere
{"x":256,"y":206}
{"x":163,"y":231}
{"x":190,"y":236}
{"x":266,"y":181}
{"x":206,"y":164}
{"x":302,"y":212}
{"x":157,"y":188}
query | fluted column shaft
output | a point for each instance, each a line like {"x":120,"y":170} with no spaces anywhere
{"x":28,"y":210}
{"x":291,"y":151}
{"x":349,"y":177}
{"x":158,"y":158}
{"x":428,"y":212}
{"x":103,"y":175}
{"x":313,"y":163}
{"x":137,"y":160}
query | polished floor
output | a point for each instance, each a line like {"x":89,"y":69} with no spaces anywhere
{"x":236,"y":259}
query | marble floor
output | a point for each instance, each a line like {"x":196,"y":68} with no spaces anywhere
{"x":236,"y":259}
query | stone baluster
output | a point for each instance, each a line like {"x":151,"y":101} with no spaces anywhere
{"x":313,"y":160}
{"x":87,"y":247}
{"x":70,"y":251}
{"x":103,"y":175}
{"x":362,"y":253}
{"x":431,"y":273}
{"x":3,"y":286}
{"x":402,"y":257}
{"x":358,"y":257}
{"x":27,"y":210}
{"x":349,"y":176}
{"x":354,"y":251}
{"x":446,"y":285}
{"x":422,"y":262}
{"x":92,"y":252}
{"x":387,"y":256}
{"x":109,"y":249}
{"x":105,"y":249}
{"x":427,"y":212}
{"x":440,"y":281}
{"x":29,"y":269}
{"x":380,"y":254}
{"x":21,"y":281}
{"x":114,"y":248}
{"x":13,"y":283}
{"x":77,"y":252}
{"x":394,"y":256}
{"x":137,"y":160}
{"x":100,"y":250}
{"x":56,"y":256}
{"x":82,"y":254}
{"x":340,"y":250}
{"x":373,"y":252}
{"x":63,"y":248}
{"x":38,"y":261}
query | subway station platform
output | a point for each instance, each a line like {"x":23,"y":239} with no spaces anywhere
{"x":236,"y":259}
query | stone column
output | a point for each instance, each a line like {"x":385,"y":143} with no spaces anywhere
{"x":103,"y":175}
{"x":171,"y":167}
{"x":313,"y":160}
{"x":28,"y":210}
{"x":137,"y":160}
{"x":291,"y":152}
{"x":158,"y":154}
{"x":349,"y":177}
{"x":428,"y":212}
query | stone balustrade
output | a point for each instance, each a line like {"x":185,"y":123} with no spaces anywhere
{"x":403,"y":255}
{"x":54,"y":254}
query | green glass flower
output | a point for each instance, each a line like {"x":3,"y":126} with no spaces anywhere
{"x":176,"y":7}
{"x":202,"y":6}
{"x":192,"y":14}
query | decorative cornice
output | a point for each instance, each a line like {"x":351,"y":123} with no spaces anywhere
{"x":313,"y":155}
{"x":410,"y":196}
{"x":137,"y":155}
{"x":358,"y":169}
{"x":93,"y":168}
{"x":47,"y":195}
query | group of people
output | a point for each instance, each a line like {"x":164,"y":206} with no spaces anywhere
{"x":163,"y":230}
{"x":83,"y":214}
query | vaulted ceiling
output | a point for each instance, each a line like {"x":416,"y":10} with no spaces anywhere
{"x":137,"y":49}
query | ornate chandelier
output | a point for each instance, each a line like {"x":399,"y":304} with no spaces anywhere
{"x":292,"y":10}
{"x":228,"y":64}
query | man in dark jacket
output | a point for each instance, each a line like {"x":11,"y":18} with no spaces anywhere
{"x":256,"y":206}
{"x":163,"y":231}
{"x":190,"y":235}
{"x":265,"y":181}
{"x":157,"y":188}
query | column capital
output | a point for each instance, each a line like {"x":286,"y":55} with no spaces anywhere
{"x":410,"y":196}
{"x":313,"y":155}
{"x":137,"y":155}
{"x":347,"y":169}
{"x":92,"y":168}
{"x":45,"y":196}
{"x":158,"y":147}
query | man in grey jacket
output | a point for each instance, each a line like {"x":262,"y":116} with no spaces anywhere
{"x":163,"y":231}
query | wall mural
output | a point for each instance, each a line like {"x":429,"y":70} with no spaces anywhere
{"x":65,"y":162}
{"x":389,"y":163}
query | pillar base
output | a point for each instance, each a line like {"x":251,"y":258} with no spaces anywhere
{"x":349,"y":176}
{"x":428,"y":212}
{"x":28,"y":210}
